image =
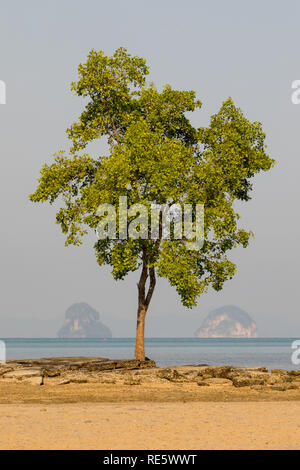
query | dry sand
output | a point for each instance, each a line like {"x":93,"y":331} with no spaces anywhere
{"x":158,"y":416}
{"x":142,"y":425}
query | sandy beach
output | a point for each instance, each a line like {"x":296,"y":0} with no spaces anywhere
{"x":142,"y":425}
{"x":81,"y":406}
{"x":92,"y":416}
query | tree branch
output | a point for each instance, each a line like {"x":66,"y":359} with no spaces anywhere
{"x":142,"y":282}
{"x":116,"y":132}
{"x":151,"y":286}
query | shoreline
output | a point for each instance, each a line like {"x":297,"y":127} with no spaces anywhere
{"x":88,"y":403}
{"x":83,"y":379}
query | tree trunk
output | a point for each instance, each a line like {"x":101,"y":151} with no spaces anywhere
{"x":139,"y":352}
{"x":143,"y":304}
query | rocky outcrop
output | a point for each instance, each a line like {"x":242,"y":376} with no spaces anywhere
{"x":227,"y":322}
{"x":67,"y":369}
{"x":82,"y":370}
{"x":82,"y":321}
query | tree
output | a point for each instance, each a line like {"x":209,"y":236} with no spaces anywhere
{"x":155,"y":155}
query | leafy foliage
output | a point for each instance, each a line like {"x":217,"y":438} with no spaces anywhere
{"x":155,"y":155}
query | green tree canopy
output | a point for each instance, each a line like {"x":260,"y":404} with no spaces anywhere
{"x":155,"y":155}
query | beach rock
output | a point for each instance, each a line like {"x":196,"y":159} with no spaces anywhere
{"x":294,"y":373}
{"x":171,"y":374}
{"x":79,"y":380}
{"x":202,"y":383}
{"x":35,"y":380}
{"x":278,"y":371}
{"x":51,"y":373}
{"x":20,"y":374}
{"x":244,"y":381}
{"x":222,"y":372}
{"x":63,"y":364}
{"x":275,"y":379}
{"x":258,"y":369}
{"x":284,"y":387}
{"x":4,"y":370}
{"x":113,"y":365}
{"x":262,"y":376}
{"x":218,"y":381}
{"x":81,"y":370}
{"x":31,"y":376}
{"x":54,"y":362}
{"x":227,"y":322}
{"x":64,"y":382}
{"x":191,"y":375}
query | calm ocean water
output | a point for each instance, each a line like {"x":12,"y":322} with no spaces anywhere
{"x":268,"y":352}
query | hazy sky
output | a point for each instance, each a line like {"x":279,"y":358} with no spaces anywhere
{"x":247,"y":50}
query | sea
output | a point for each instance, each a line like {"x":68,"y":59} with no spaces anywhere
{"x":253,"y":352}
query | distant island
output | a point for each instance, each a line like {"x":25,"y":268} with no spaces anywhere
{"x":227,"y":322}
{"x":82,"y":321}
